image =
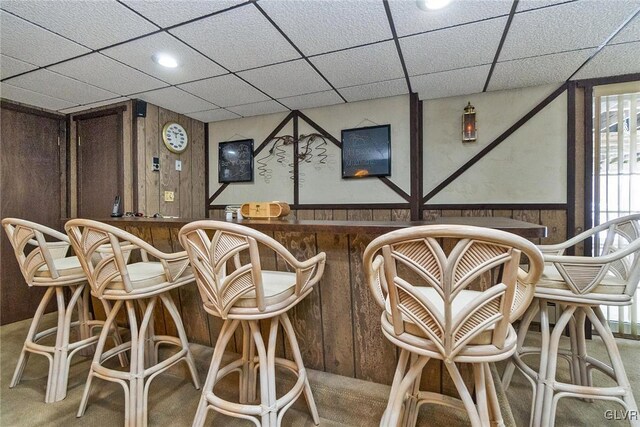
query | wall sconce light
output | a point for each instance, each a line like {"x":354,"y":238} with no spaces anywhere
{"x":469,"y":129}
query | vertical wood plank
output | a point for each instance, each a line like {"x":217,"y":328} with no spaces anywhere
{"x":305,"y":214}
{"x":477,"y":212}
{"x":401,"y":215}
{"x":504,"y":213}
{"x":381,"y":214}
{"x":556,"y":223}
{"x":152,"y":149}
{"x":161,"y":240}
{"x":323,"y":214}
{"x":359,"y":215}
{"x":127,"y":157}
{"x":431,"y":214}
{"x":185,"y":177}
{"x":451,"y":212}
{"x":336,"y":305}
{"x":168,"y":175}
{"x":339,"y":214}
{"x":198,"y":173}
{"x":144,"y":163}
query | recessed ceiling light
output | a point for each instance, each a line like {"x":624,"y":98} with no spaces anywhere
{"x":432,"y":4}
{"x":165,"y":60}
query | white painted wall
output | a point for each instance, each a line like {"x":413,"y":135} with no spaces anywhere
{"x":528,"y":167}
{"x":319,"y":183}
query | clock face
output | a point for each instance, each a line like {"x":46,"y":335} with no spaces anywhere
{"x":175,"y":137}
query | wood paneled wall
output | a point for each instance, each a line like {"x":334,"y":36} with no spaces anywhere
{"x":188,"y":184}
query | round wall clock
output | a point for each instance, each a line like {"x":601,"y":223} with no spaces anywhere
{"x":175,"y":137}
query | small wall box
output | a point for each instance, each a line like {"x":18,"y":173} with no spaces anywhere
{"x":265,"y":210}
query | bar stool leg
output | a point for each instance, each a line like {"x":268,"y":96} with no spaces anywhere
{"x":31,"y":335}
{"x":523,"y":329}
{"x":544,"y":357}
{"x":482,"y":402}
{"x":401,"y":369}
{"x":396,"y":401}
{"x":410,"y":416}
{"x":117,"y":338}
{"x":585,"y":375}
{"x":494,"y":404}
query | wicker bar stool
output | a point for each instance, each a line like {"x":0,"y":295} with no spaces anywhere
{"x":580,"y":286}
{"x":438,"y":317}
{"x":46,"y":264}
{"x":242,"y":297}
{"x":101,"y":249}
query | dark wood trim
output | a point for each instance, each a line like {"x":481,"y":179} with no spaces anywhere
{"x":296,"y":164}
{"x":8,"y":105}
{"x":338,"y":206}
{"x":100,"y":113}
{"x":394,"y":33}
{"x":134,"y":156}
{"x":399,"y":191}
{"x":319,"y":129}
{"x":293,"y":45}
{"x":512,"y":13}
{"x":535,"y":110}
{"x":571,"y":163}
{"x":591,"y":192}
{"x":68,"y":165}
{"x":624,"y":78}
{"x":498,"y":206}
{"x":121,"y":156}
{"x":206,"y":169}
{"x":415,"y":159}
{"x":273,"y":133}
{"x":217,"y":193}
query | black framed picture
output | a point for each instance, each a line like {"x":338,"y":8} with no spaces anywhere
{"x":235,"y":161}
{"x":366,"y":152}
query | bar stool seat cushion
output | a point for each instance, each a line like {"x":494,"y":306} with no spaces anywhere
{"x":277,"y":287}
{"x":551,"y":278}
{"x":69,"y":266}
{"x":460,"y":301}
{"x":142,"y":275}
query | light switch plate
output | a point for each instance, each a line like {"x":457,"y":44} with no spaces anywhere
{"x":169,"y":196}
{"x":178,"y":165}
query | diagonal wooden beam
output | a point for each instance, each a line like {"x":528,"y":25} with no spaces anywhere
{"x":319,"y":129}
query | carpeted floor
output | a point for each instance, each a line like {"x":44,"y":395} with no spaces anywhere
{"x":341,"y":401}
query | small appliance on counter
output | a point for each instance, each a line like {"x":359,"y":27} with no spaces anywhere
{"x":232,"y":212}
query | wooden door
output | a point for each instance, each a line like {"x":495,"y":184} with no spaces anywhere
{"x":30,"y":188}
{"x":100,"y":177}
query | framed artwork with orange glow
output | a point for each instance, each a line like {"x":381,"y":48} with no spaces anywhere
{"x":366,"y":152}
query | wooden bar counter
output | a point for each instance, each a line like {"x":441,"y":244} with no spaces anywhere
{"x":338,"y":324}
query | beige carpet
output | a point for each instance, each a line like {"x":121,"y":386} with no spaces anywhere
{"x":341,"y":401}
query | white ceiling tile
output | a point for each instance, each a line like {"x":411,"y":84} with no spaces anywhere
{"x":98,"y":70}
{"x":225,"y":91}
{"x":94,"y":24}
{"x":176,"y":100}
{"x":450,"y":83}
{"x":360,"y":65}
{"x":569,"y":26}
{"x":166,"y":13}
{"x":287,"y":79}
{"x":375,"y":90}
{"x":524,"y":5}
{"x":465,"y":46}
{"x":30,"y":43}
{"x":258,"y":108}
{"x":409,"y":19}
{"x":322,"y":26}
{"x":213,"y":115}
{"x":630,"y":33}
{"x":192,"y":65}
{"x":239,"y":39}
{"x":80,"y":108}
{"x":29,"y":97}
{"x":312,"y":100}
{"x":613,"y":60}
{"x":538,"y":70}
{"x":58,"y":86}
{"x":10,"y":66}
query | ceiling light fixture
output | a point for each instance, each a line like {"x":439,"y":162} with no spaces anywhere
{"x":165,"y":60}
{"x":432,"y":4}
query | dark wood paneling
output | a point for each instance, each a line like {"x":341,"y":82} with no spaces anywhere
{"x":100,"y":164}
{"x":30,"y":185}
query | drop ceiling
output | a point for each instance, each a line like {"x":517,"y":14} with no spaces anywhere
{"x":242,"y":58}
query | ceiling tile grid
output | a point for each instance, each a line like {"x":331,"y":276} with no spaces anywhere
{"x":239,"y":39}
{"x":409,"y":19}
{"x":323,"y":26}
{"x":216,"y":115}
{"x":286,"y":79}
{"x":613,"y":60}
{"x":630,"y":33}
{"x":101,"y":71}
{"x":312,"y":100}
{"x":176,"y":100}
{"x":25,"y":96}
{"x":450,"y":83}
{"x":29,"y":43}
{"x":94,"y":24}
{"x":166,"y":13}
{"x":10,"y":66}
{"x":448,"y":49}
{"x":191,"y":64}
{"x":258,"y":108}
{"x":375,"y":90}
{"x":354,"y":66}
{"x":58,"y":86}
{"x":225,"y":91}
{"x":565,"y":27}
{"x":524,"y":5}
